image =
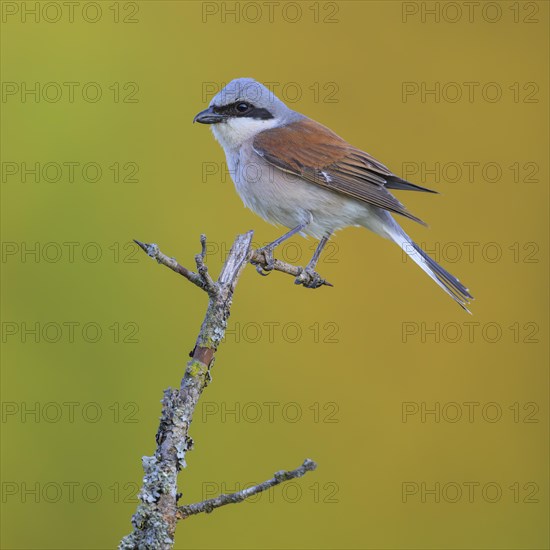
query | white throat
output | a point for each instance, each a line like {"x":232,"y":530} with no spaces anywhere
{"x":235,"y":131}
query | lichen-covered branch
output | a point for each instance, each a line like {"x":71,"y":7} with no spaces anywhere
{"x":156,"y":517}
{"x":211,"y":504}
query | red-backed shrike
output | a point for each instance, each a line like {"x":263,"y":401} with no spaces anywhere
{"x":295,"y":172}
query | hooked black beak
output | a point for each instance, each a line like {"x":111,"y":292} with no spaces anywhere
{"x":208,"y":116}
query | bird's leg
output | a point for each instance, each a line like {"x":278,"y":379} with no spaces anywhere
{"x":309,"y":277}
{"x":313,"y":262}
{"x":267,"y":250}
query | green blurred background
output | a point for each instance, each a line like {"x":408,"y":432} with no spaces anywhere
{"x":345,"y":375}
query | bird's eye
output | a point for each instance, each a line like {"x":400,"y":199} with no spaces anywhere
{"x":242,"y":107}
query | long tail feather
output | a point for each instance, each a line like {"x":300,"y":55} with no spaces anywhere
{"x":382,"y":223}
{"x":449,"y":283}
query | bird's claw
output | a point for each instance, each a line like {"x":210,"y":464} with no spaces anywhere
{"x":309,"y":278}
{"x":263,"y":272}
{"x":265,"y":269}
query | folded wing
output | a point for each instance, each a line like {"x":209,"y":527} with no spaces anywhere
{"x":315,"y":153}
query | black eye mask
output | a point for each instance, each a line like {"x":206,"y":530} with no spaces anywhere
{"x":236,"y":110}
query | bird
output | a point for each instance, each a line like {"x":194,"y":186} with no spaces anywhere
{"x":294,"y":172}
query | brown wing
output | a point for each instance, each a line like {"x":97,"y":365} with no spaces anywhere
{"x":312,"y":151}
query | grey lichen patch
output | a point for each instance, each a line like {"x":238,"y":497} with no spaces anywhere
{"x":181,"y":449}
{"x":151,"y":531}
{"x":150,"y":492}
{"x":218,"y":334}
{"x":171,"y":402}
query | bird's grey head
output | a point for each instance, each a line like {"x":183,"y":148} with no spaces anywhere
{"x":243,"y":109}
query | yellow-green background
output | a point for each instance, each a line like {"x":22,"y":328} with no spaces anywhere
{"x":369,"y":372}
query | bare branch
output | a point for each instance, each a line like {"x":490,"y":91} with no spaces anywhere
{"x":156,"y":516}
{"x":153,"y":251}
{"x":211,"y":504}
{"x":203,"y":279}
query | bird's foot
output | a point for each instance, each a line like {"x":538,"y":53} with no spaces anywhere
{"x":309,"y":278}
{"x":269,"y":261}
